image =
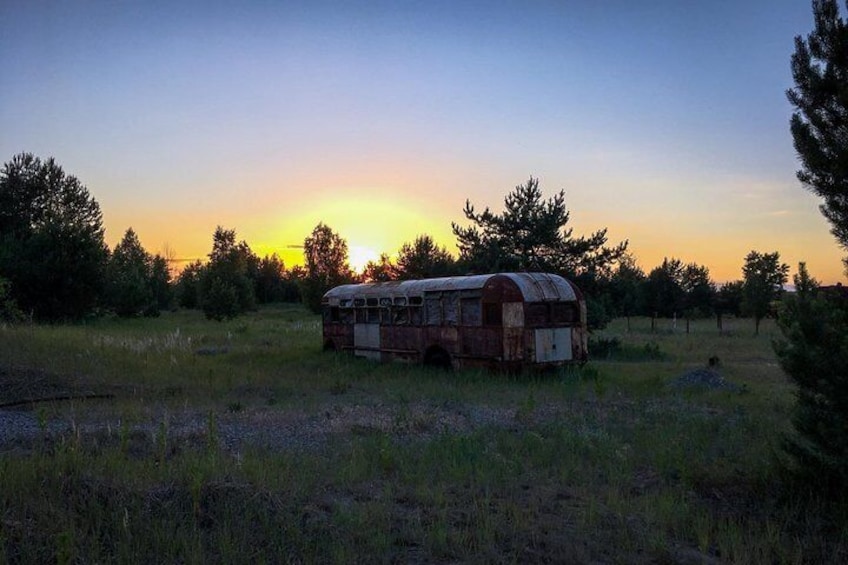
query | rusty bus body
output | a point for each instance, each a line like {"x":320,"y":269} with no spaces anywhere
{"x":503,"y":321}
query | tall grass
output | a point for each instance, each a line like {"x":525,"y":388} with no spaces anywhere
{"x":603,"y":463}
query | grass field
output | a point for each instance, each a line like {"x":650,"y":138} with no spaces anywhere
{"x":243,"y":442}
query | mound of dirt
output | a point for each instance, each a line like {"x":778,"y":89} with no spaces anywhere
{"x":703,"y":378}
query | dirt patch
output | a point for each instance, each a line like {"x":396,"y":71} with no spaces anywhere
{"x":705,"y":379}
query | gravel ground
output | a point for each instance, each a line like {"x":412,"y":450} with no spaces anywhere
{"x":269,"y":428}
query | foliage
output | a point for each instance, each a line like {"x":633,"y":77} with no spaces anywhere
{"x":326,"y":265}
{"x":423,"y":259}
{"x":381,"y":270}
{"x":187,"y":287}
{"x":674,"y":289}
{"x":627,"y":292}
{"x":51,"y":240}
{"x":160,"y":284}
{"x":764,"y":276}
{"x":9,"y":311}
{"x":530,"y":235}
{"x":663,"y":291}
{"x":729,"y":298}
{"x":820,"y":123}
{"x":226,"y":289}
{"x":273,"y":283}
{"x":698,"y":291}
{"x":129,"y":278}
{"x":815,"y":355}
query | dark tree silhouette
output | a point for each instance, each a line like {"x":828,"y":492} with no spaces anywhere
{"x":51,"y":240}
{"x":326,"y":265}
{"x":815,"y":351}
{"x":187,"y":288}
{"x":820,"y":123}
{"x":423,"y":259}
{"x":226,"y":289}
{"x":699,"y":291}
{"x":763,"y":277}
{"x":531,"y":235}
{"x":381,"y":270}
{"x":664,"y":293}
{"x":129,"y":289}
{"x":160,"y":284}
{"x":626,"y":288}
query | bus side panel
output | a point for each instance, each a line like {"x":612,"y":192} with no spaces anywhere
{"x":340,"y":334}
{"x":513,"y":344}
{"x":579,"y":344}
{"x":481,"y":342}
{"x":553,"y":344}
{"x":513,"y":331}
{"x":445,"y":337}
{"x":401,"y":342}
{"x":366,"y":341}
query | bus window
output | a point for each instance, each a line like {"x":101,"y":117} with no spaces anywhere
{"x":472,"y":311}
{"x":346,"y":316}
{"x":450,"y":308}
{"x":563,"y":313}
{"x":373,"y":315}
{"x":537,"y":315}
{"x":361,"y":316}
{"x":415,"y":315}
{"x":492,"y":314}
{"x":433,"y":311}
{"x":400,"y":315}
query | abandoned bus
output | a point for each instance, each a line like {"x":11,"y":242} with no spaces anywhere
{"x":504,"y":321}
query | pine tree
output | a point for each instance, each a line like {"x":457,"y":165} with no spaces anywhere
{"x":815,"y":351}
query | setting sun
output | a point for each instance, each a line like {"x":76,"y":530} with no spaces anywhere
{"x":359,"y":256}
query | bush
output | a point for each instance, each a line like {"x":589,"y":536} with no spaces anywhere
{"x":220,"y":299}
{"x":9,"y":311}
{"x":815,"y":356}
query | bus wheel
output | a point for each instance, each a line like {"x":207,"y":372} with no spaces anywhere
{"x":437,"y":357}
{"x":330,"y":345}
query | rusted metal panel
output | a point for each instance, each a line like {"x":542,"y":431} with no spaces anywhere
{"x":553,"y":344}
{"x":401,"y":338}
{"x":533,"y":287}
{"x":513,"y":344}
{"x":445,"y":337}
{"x":513,"y":315}
{"x":484,"y":343}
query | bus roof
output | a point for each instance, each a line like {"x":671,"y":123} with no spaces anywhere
{"x":534,"y":287}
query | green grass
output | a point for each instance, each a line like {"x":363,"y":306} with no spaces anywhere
{"x":605,"y":463}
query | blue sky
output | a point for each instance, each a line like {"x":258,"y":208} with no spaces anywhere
{"x":664,"y":121}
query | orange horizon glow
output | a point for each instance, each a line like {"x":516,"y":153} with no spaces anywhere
{"x":375,"y":225}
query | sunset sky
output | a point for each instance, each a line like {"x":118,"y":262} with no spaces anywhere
{"x":665,"y":121}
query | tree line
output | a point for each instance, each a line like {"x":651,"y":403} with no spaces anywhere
{"x":55,"y":265}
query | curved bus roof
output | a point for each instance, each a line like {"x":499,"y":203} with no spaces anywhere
{"x":534,"y":287}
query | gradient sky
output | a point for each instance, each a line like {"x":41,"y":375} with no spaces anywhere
{"x":665,"y":121}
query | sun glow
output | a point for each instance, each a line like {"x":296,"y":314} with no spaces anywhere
{"x":371,"y":220}
{"x":359,"y":255}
